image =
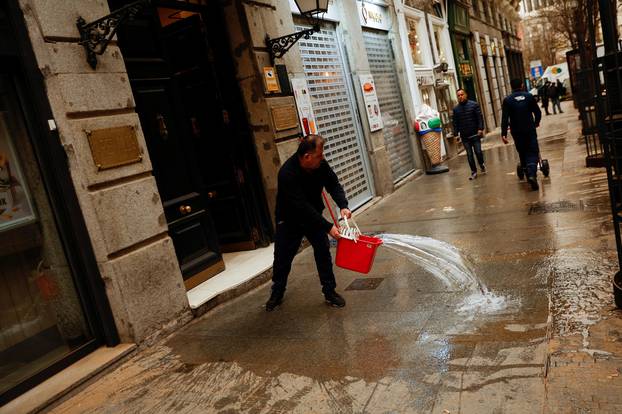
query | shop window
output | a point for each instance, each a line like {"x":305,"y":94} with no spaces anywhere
{"x":438,"y":9}
{"x":438,"y":38}
{"x":425,"y":96}
{"x":415,"y":41}
{"x":486,"y":11}
{"x":464,"y":49}
{"x":41,"y":317}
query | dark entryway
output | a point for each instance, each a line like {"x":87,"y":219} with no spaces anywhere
{"x":187,"y":97}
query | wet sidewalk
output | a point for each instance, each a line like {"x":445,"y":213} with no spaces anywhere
{"x":404,"y":343}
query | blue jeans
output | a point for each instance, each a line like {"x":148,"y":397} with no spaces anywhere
{"x":474,"y":145}
{"x":528,"y":150}
{"x":556,"y":103}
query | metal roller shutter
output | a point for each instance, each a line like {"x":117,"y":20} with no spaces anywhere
{"x":332,"y":104}
{"x":382,"y":66}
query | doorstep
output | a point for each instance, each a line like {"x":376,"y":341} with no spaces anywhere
{"x":67,"y":380}
{"x":243,"y":272}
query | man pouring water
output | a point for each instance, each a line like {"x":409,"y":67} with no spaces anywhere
{"x":299,"y":209}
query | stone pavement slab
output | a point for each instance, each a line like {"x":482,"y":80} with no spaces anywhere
{"x":404,"y":347}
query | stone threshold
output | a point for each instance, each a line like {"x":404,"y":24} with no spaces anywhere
{"x":243,"y":272}
{"x":62,"y":383}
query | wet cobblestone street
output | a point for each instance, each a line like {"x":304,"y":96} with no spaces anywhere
{"x":401,"y":345}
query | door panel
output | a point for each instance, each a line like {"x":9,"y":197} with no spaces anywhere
{"x":331,"y":98}
{"x":395,"y":131}
{"x":188,"y":100}
{"x":212,"y":139}
{"x":158,"y":93}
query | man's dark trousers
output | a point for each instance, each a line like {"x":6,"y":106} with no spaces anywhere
{"x":473,"y":144}
{"x":286,"y":244}
{"x":528,"y":150}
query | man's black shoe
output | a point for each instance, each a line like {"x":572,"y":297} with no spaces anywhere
{"x":533,"y":182}
{"x":334,"y":299}
{"x":275,"y":300}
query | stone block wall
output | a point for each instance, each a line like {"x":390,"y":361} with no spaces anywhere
{"x":121,"y":206}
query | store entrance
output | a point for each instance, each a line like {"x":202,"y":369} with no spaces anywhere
{"x":197,"y":135}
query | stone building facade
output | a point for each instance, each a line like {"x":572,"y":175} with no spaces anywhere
{"x":162,"y":154}
{"x":494,"y":27}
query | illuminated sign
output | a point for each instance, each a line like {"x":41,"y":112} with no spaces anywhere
{"x":373,"y":16}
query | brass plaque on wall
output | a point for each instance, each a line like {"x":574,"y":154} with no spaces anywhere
{"x":284,"y":117}
{"x":114,"y":147}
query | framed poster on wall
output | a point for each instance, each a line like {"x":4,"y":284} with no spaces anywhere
{"x":16,"y":207}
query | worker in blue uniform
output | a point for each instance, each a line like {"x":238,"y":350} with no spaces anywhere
{"x":522,"y":115}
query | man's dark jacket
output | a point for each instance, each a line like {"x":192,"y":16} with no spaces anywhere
{"x":521,"y":110}
{"x":468,"y":119}
{"x":553,"y":92}
{"x":299,"y":194}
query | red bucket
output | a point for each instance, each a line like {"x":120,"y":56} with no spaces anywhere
{"x":357,"y":255}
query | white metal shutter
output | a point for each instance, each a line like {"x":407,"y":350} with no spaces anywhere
{"x":332,"y":105}
{"x":382,"y":66}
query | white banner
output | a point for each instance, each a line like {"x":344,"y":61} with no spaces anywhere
{"x":303,"y":104}
{"x":372,"y":107}
{"x":373,"y":16}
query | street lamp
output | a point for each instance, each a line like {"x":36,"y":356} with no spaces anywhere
{"x":313,"y":11}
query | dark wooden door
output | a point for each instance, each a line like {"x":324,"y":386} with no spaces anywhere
{"x":158,"y":86}
{"x":197,"y":135}
{"x":212,"y":134}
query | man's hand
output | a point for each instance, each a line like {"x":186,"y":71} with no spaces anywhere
{"x":504,"y":139}
{"x":334,"y":232}
{"x":480,"y":132}
{"x":346,"y":213}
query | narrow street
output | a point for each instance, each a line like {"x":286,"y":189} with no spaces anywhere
{"x":401,"y":344}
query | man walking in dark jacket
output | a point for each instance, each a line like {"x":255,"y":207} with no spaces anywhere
{"x":521,"y":110}
{"x":299,"y":209}
{"x":553,"y":93}
{"x":469,"y":125}
{"x":543,"y":93}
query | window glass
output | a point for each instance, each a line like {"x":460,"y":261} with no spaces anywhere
{"x":415,"y":41}
{"x":41,"y":317}
{"x":438,"y":38}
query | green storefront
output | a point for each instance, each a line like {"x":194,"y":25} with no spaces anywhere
{"x":460,"y":33}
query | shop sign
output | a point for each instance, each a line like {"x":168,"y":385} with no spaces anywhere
{"x":373,"y":16}
{"x":115,"y":147}
{"x":425,"y":80}
{"x":303,"y":104}
{"x":15,"y":201}
{"x":270,"y":80}
{"x":284,"y":117}
{"x":371,"y":102}
{"x":466,"y":69}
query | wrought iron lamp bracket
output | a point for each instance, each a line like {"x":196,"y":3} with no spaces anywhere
{"x":279,"y":46}
{"x":95,"y":36}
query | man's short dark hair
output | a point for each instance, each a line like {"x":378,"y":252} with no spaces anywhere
{"x":309,"y":144}
{"x":460,"y":89}
{"x":516,"y":83}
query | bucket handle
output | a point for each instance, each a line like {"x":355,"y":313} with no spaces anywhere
{"x":330,"y":209}
{"x":349,"y":229}
{"x":354,"y":231}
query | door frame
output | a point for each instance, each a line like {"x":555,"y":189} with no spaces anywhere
{"x":72,"y":230}
{"x":253,"y":197}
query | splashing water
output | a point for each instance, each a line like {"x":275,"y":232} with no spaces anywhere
{"x":447,"y":264}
